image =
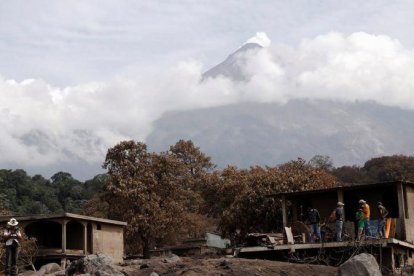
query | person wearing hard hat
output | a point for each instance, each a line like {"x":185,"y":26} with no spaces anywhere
{"x":367,"y":214}
{"x":12,"y":236}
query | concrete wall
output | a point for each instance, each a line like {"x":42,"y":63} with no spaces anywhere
{"x":109,"y":240}
{"x":409,"y":221}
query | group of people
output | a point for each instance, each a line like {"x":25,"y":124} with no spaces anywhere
{"x":362,"y":218}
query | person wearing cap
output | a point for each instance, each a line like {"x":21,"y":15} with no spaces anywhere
{"x":382,"y":216}
{"x":339,"y":216}
{"x":367,"y":214}
{"x":12,"y":235}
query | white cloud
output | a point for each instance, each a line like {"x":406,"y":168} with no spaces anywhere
{"x":47,"y":125}
{"x":260,"y":38}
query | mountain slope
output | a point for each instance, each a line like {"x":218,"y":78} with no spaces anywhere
{"x":232,"y":66}
{"x":270,"y":134}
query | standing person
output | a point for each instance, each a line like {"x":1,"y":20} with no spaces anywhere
{"x":382,"y":216}
{"x":314,"y":220}
{"x":12,"y":235}
{"x":367,"y":214}
{"x":360,"y":220}
{"x":339,"y":216}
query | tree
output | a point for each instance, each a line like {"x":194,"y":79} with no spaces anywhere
{"x":351,"y":174}
{"x":198,"y":165}
{"x":144,"y":189}
{"x":222,"y":188}
{"x":69,"y":191}
{"x":192,"y":157}
{"x":254,"y":210}
{"x":379,"y":169}
{"x":322,"y":162}
{"x":390,"y":168}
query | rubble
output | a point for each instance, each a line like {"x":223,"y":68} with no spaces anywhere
{"x":360,"y":265}
{"x":98,"y":264}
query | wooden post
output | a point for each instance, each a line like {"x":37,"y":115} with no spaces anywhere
{"x":64,"y":236}
{"x":284,"y":214}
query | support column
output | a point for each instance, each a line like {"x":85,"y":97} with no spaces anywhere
{"x":284,"y":214}
{"x":340,"y":194}
{"x":401,"y":202}
{"x":64,"y":222}
{"x":401,"y":210}
{"x":85,"y":238}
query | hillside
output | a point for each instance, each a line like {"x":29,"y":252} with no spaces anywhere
{"x":269,"y":134}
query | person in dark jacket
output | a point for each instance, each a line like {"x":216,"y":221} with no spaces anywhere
{"x":314,"y":220}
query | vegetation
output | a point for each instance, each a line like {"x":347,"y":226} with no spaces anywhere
{"x":23,"y":194}
{"x":380,"y":169}
{"x":179,"y":193}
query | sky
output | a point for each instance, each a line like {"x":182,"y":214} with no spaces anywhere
{"x":78,"y":76}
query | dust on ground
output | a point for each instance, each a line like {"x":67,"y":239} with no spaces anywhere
{"x":222,"y":266}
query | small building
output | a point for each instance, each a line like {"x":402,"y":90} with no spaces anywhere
{"x":394,"y":252}
{"x":71,"y":236}
{"x":211,"y":243}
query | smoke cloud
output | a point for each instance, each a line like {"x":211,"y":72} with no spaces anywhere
{"x":43,"y":125}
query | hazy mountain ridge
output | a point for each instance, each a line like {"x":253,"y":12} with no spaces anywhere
{"x":270,"y":134}
{"x":231,"y":67}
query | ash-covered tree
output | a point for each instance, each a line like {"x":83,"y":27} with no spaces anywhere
{"x":199,"y":166}
{"x":145,"y":189}
{"x":322,"y":162}
{"x":351,"y":175}
{"x":197,"y":214}
{"x":253,"y":210}
{"x":222,"y":188}
{"x":196,"y":161}
{"x":390,"y":168}
{"x":378,"y":169}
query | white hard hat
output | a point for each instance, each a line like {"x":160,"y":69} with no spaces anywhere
{"x":12,"y":222}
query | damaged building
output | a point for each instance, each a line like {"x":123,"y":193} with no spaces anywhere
{"x":71,"y":236}
{"x":393,"y":252}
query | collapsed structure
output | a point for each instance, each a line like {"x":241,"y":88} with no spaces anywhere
{"x":393,"y":252}
{"x":71,"y":236}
